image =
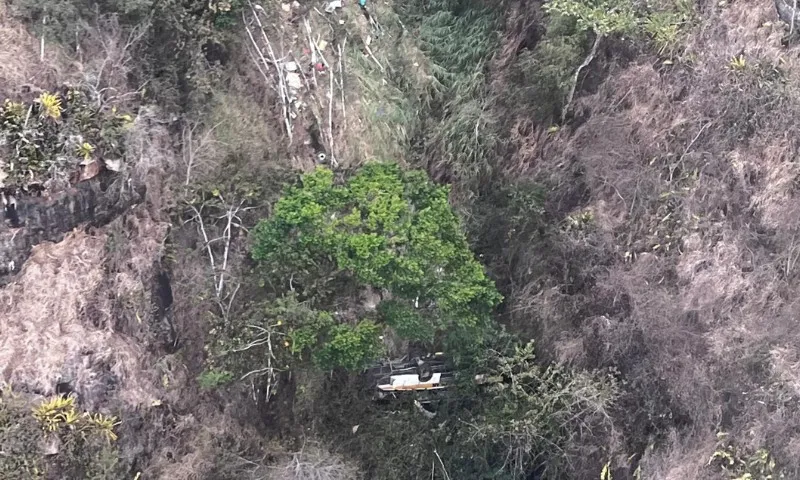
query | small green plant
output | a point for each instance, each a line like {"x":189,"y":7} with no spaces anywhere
{"x":85,"y":150}
{"x":603,"y":17}
{"x":740,"y":465}
{"x":605,"y":473}
{"x":579,"y":221}
{"x":211,"y":379}
{"x":37,"y":136}
{"x":59,"y":414}
{"x":86,"y":441}
{"x":737,"y":63}
{"x":664,"y":28}
{"x":50,"y":106}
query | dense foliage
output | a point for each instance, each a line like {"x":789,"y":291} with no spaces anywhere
{"x":607,"y":234}
{"x":52,"y":135}
{"x":385,"y":228}
{"x":55,"y":439}
{"x":391,"y":230}
{"x":518,"y":419}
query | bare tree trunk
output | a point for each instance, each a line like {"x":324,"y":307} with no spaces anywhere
{"x":598,"y":38}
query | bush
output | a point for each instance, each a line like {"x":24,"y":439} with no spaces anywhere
{"x":535,"y":412}
{"x":742,"y":465}
{"x":57,"y":132}
{"x":169,"y":37}
{"x":63,"y":20}
{"x":459,"y":128}
{"x":519,"y":420}
{"x":77,"y":444}
{"x":541,"y":76}
{"x":384,"y":228}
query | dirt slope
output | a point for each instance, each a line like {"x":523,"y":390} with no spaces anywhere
{"x":687,"y":278}
{"x":58,"y":323}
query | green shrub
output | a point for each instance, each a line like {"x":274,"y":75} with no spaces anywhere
{"x":83,"y":443}
{"x":541,"y":76}
{"x":57,"y":132}
{"x":459,"y":128}
{"x":211,"y":379}
{"x":63,"y":19}
{"x":535,"y":410}
{"x":382,"y":227}
{"x":604,"y":17}
{"x":386,"y":228}
{"x":406,"y":320}
{"x":739,"y":464}
{"x":518,"y":420}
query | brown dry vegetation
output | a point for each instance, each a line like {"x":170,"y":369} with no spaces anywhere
{"x":686,"y":278}
{"x":19,"y":58}
{"x":667,"y":247}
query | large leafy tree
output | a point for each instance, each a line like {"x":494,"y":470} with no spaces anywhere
{"x":385,"y":228}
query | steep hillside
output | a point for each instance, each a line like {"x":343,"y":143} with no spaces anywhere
{"x":198,"y":240}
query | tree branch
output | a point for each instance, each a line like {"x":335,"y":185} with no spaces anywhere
{"x":597,"y":39}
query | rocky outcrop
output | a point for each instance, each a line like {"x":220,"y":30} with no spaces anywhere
{"x":40,"y":219}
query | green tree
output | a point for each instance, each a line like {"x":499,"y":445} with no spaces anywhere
{"x":385,"y":228}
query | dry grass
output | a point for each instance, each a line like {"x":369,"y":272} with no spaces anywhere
{"x":692,"y":155}
{"x":20,"y":58}
{"x":50,"y":329}
{"x":314,"y":463}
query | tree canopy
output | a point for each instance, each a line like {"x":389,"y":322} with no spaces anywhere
{"x":385,"y":228}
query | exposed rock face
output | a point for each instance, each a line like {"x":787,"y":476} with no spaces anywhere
{"x":95,"y":202}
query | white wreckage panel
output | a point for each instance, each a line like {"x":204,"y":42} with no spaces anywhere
{"x":412,"y":382}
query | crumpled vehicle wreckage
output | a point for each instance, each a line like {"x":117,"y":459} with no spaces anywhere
{"x":427,"y":376}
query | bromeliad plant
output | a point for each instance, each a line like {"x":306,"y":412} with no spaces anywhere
{"x":59,"y":415}
{"x":55,"y":133}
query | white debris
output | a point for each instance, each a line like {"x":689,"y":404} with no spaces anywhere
{"x":293,"y":80}
{"x":333,"y":5}
{"x":113,"y":165}
{"x":290,"y":66}
{"x":286,"y":7}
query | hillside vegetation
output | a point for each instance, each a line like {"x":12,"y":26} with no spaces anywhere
{"x":587,"y":205}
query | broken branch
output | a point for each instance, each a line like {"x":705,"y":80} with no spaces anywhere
{"x":598,"y":38}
